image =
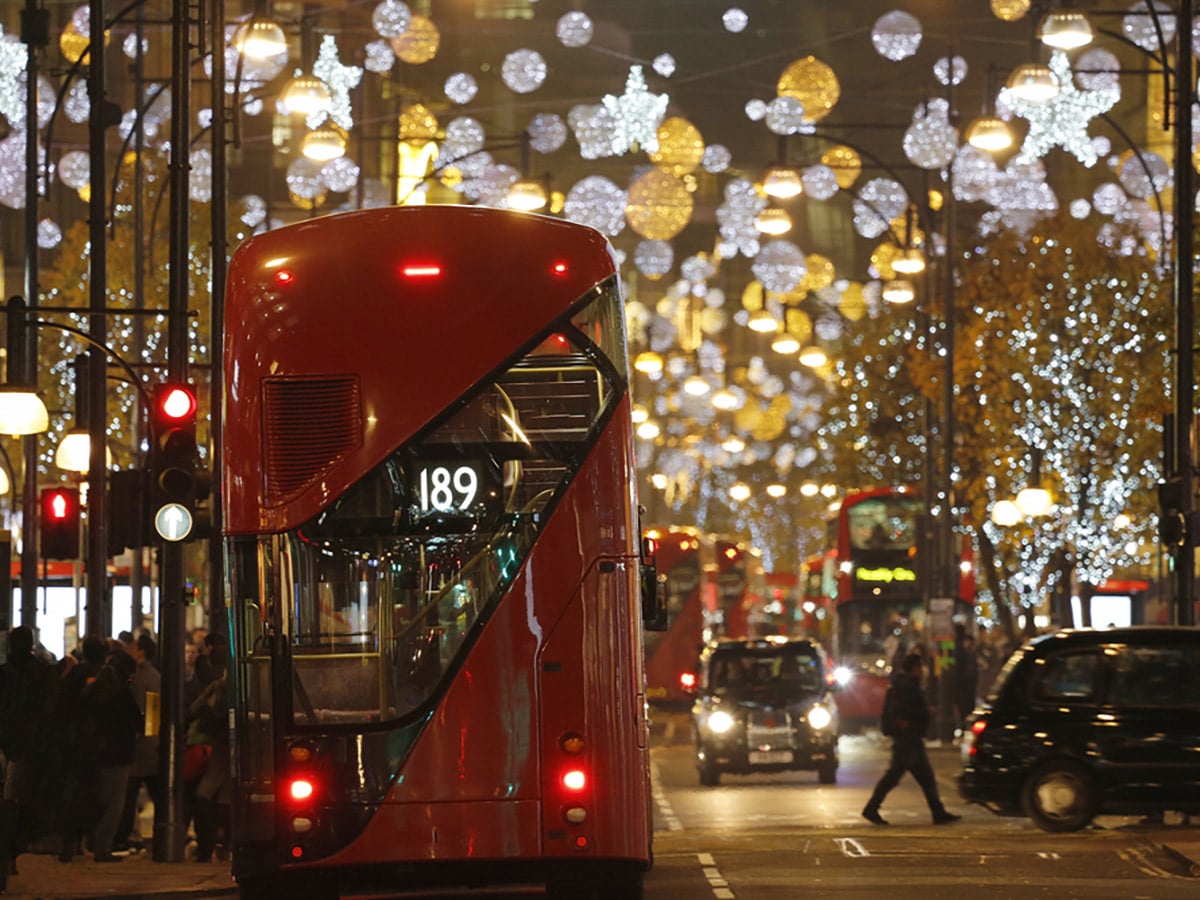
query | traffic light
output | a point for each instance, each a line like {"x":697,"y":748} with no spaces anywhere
{"x":60,"y":523}
{"x":1171,"y":523}
{"x":174,"y":459}
{"x":129,"y":510}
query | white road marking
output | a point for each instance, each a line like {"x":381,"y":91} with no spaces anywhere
{"x":720,"y":887}
{"x":851,"y":847}
{"x":659,"y":795}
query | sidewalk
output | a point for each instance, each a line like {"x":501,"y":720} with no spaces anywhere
{"x":43,"y":877}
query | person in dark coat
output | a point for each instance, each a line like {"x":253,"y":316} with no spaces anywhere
{"x":109,"y":702}
{"x":966,"y":678}
{"x":26,"y":693}
{"x":76,"y":748}
{"x":906,"y":719}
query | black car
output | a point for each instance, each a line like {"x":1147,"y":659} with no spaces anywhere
{"x":764,"y":705}
{"x":1090,"y":721}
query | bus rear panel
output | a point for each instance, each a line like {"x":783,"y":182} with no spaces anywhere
{"x":433,"y":560}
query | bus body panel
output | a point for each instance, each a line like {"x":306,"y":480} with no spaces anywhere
{"x":556,"y":654}
{"x":285,"y":282}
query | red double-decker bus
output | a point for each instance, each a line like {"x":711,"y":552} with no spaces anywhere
{"x":712,"y":586}
{"x":863,"y":594}
{"x":434,"y":565}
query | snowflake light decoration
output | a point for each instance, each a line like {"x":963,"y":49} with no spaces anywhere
{"x":341,"y":80}
{"x":1063,"y":120}
{"x":636,"y":115}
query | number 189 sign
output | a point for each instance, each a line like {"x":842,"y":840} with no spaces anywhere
{"x":447,"y":487}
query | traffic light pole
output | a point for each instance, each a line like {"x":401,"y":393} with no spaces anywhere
{"x":170,"y":829}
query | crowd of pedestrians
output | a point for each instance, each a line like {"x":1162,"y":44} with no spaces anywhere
{"x":79,"y":739}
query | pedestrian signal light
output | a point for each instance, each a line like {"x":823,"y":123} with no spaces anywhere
{"x":60,"y":523}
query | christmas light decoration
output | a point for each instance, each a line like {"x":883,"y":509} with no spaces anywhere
{"x":1063,"y":120}
{"x":636,"y":115}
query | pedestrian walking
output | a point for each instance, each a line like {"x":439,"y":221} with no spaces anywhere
{"x":146,"y":682}
{"x":109,"y":702}
{"x":76,"y":748}
{"x":905,"y":721}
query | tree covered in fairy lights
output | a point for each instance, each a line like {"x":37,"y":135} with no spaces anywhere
{"x":140,"y":340}
{"x":1061,"y":373}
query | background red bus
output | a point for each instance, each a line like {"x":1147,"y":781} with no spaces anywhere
{"x":433,"y":558}
{"x":713,"y":586}
{"x":864,"y":594}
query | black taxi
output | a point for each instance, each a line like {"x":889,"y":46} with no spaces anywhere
{"x":764,"y":705}
{"x":1090,"y":721}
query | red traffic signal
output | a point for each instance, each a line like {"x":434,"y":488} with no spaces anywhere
{"x":174,"y":454}
{"x":59,"y":523}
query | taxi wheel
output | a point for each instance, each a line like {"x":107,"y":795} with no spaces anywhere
{"x":827,"y":774}
{"x":710,"y":775}
{"x":1060,"y":796}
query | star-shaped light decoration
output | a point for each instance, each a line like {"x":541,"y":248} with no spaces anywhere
{"x":1063,"y":120}
{"x":341,"y":79}
{"x":636,"y":115}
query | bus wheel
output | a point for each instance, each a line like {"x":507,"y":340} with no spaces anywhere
{"x":274,"y":888}
{"x":827,"y":774}
{"x":620,"y":885}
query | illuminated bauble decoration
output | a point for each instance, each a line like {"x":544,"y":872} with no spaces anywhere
{"x":523,"y":71}
{"x":419,"y":43}
{"x":680,"y":147}
{"x":597,"y":202}
{"x":798,"y":324}
{"x":659,"y":205}
{"x":653,"y":258}
{"x":574,"y":29}
{"x":755,"y":110}
{"x":975,"y":173}
{"x":735,"y":20}
{"x":931,"y":141}
{"x":664,"y":65}
{"x":1080,"y":208}
{"x":49,"y":235}
{"x":340,"y":174}
{"x":1010,"y":10}
{"x":417,"y":123}
{"x":879,"y":201}
{"x":785,"y":115}
{"x":380,"y":57}
{"x":716,"y":158}
{"x":780,"y":266}
{"x":76,"y":104}
{"x":391,"y":18}
{"x":75,"y":37}
{"x":251,"y":210}
{"x":845,"y":163}
{"x":853,"y":303}
{"x":813,"y":84}
{"x":820,"y":182}
{"x":1108,"y":199}
{"x":896,"y":35}
{"x":1098,"y":70}
{"x":547,"y":132}
{"x":591,"y":124}
{"x":304,"y":178}
{"x":1146,"y":176}
{"x":883,"y":258}
{"x":820,"y":273}
{"x":461,"y":88}
{"x":74,"y":169}
{"x":1142,"y":28}
{"x":950,"y":70}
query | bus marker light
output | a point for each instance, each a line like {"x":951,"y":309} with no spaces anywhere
{"x":571,"y":743}
{"x":297,"y":851}
{"x":300,"y":789}
{"x":581,"y":842}
{"x":421,"y":270}
{"x":283,"y":276}
{"x":301,"y":825}
{"x":574,"y":780}
{"x":559,"y":268}
{"x":576,"y":815}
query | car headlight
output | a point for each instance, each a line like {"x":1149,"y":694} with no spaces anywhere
{"x":819,"y":717}
{"x":720,"y":722}
{"x":843,"y":675}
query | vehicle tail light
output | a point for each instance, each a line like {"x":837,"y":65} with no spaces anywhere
{"x":687,"y":680}
{"x":574,"y":780}
{"x":571,"y":743}
{"x":301,"y":789}
{"x":421,"y":270}
{"x":978,"y":727}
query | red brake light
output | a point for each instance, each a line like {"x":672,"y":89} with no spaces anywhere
{"x":421,"y":270}
{"x":687,"y":680}
{"x":283,"y":276}
{"x":300,"y":789}
{"x":574,"y":780}
{"x":978,"y":726}
{"x":559,"y":268}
